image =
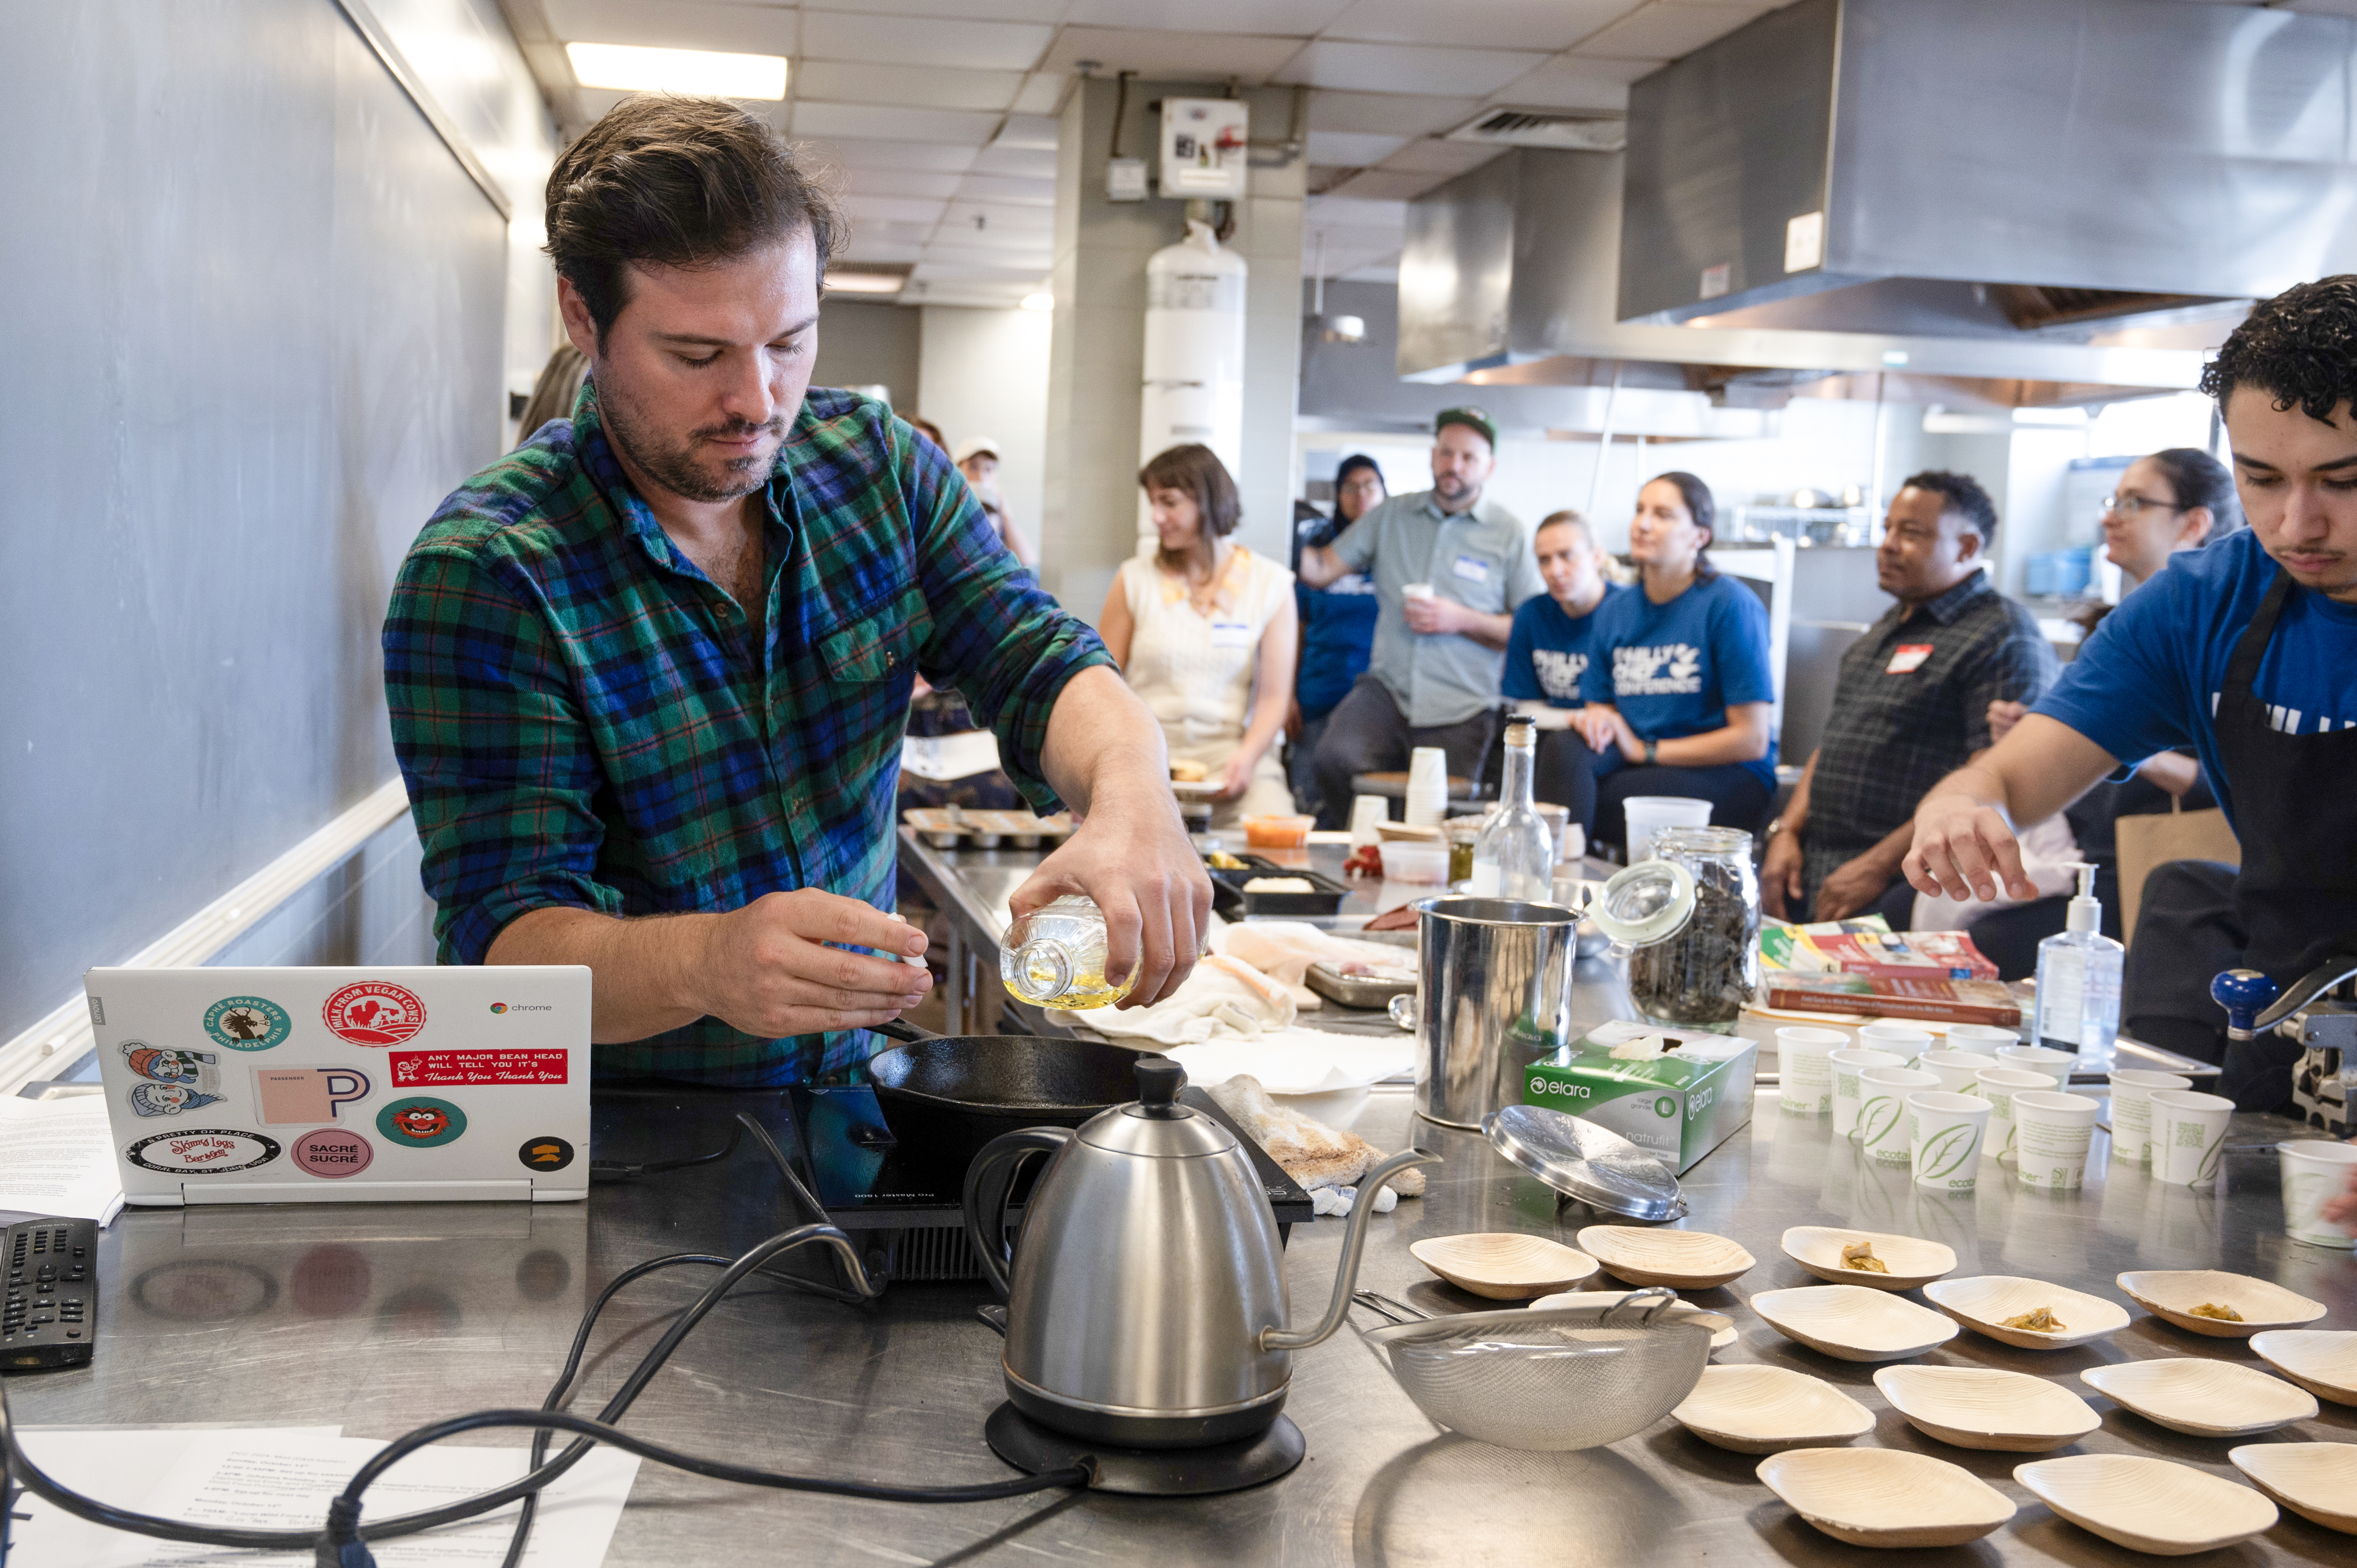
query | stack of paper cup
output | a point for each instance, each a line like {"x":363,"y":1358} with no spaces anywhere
{"x":1805,"y":1078}
{"x":2052,"y":1066}
{"x":1367,"y":813}
{"x":1981,"y":1037}
{"x":1427,"y":787}
{"x":2315,"y":1172}
{"x":1647,"y":815}
{"x":1959,"y":1072}
{"x":2188,"y":1136}
{"x":2132,"y":1111}
{"x":1882,"y":1094}
{"x":2051,"y":1134}
{"x":1901,"y":1040}
{"x":1846,"y":1066}
{"x":1943,"y":1138}
{"x":1998,"y":1085}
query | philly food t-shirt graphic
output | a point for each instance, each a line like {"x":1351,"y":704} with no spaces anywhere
{"x":1671,"y":669}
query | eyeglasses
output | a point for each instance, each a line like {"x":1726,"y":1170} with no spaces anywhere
{"x":2130,"y":507}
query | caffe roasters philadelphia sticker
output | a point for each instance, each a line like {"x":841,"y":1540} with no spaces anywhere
{"x":374,"y":1013}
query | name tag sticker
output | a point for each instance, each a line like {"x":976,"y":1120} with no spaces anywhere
{"x":1908,"y":657}
{"x":1472,"y":569}
{"x":1231,"y":633}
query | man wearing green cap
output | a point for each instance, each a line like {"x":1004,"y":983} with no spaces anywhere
{"x":1449,"y":570}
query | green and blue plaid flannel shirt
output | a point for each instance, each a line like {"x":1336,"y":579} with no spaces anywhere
{"x":583,"y":719}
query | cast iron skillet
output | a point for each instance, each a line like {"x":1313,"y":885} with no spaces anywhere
{"x":945,"y":1096}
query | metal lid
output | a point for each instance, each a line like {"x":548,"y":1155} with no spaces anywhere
{"x":1583,"y":1160}
{"x":1645,"y":903}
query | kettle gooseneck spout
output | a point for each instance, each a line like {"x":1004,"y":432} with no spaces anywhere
{"x":1354,"y":1242}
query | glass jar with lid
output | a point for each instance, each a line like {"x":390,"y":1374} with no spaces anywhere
{"x":1698,"y":965}
{"x":1055,"y":957}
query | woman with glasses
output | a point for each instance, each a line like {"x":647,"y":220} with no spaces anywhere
{"x":2178,"y":500}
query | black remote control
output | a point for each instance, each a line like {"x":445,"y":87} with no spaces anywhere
{"x":50,"y":1317}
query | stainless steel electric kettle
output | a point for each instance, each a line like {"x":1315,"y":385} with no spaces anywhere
{"x":1146,"y":1308}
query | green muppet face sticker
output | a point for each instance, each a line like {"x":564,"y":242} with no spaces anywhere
{"x":247,"y":1022}
{"x":419,"y":1121}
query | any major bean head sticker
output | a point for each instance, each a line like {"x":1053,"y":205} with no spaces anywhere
{"x":420,"y":1122}
{"x":374,"y":1013}
{"x":203,"y":1151}
{"x":247,"y":1022}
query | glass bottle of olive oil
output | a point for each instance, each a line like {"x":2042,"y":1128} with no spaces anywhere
{"x":1055,"y":957}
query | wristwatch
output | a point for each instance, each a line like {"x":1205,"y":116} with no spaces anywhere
{"x":1651,"y":746}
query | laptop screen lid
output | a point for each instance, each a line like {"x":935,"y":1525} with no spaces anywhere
{"x":336,"y":1085}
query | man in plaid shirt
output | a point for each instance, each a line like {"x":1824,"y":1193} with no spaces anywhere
{"x":647,"y":673}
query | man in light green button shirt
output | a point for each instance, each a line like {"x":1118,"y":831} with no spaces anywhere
{"x":1440,"y":653}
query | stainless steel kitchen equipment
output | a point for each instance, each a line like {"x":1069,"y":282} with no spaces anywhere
{"x":2319,"y":1011}
{"x":1496,"y":976}
{"x":1146,"y":1298}
{"x":1585,"y":1163}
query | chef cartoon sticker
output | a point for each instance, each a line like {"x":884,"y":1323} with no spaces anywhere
{"x":248,"y":1023}
{"x":374,"y":1013}
{"x":168,"y":1099}
{"x":421,"y":1123}
{"x":194,"y":1069}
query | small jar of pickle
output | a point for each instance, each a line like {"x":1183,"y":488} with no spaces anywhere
{"x":1055,"y":957}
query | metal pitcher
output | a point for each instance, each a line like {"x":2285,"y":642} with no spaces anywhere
{"x":1496,"y":994}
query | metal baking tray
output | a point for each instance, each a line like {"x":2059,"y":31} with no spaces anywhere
{"x":1355,"y":989}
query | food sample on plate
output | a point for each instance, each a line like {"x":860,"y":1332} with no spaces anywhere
{"x":1860,"y":1255}
{"x":2039,"y":1320}
{"x":1311,"y":1153}
{"x":1188,"y":772}
{"x":2223,"y":1313}
{"x":1221,"y":860}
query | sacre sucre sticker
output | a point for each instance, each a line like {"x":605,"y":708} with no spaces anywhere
{"x":373,"y":1013}
{"x":203,"y":1151}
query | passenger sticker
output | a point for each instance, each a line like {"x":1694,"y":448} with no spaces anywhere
{"x":331,"y":1153}
{"x":1908,"y":657}
{"x":168,"y":1099}
{"x":374,"y":1013}
{"x":205,"y":1151}
{"x":418,"y":1123}
{"x":296,"y":1094}
{"x":194,"y":1069}
{"x":248,"y":1023}
{"x":426,"y":1069}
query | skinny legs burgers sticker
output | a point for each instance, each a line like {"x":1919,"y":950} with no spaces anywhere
{"x":373,"y":1013}
{"x":203,"y":1151}
{"x":419,"y":1122}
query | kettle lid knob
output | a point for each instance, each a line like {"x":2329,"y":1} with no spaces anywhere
{"x":1160,"y":1080}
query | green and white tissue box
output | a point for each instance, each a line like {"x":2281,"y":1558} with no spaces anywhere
{"x":1677,"y":1106}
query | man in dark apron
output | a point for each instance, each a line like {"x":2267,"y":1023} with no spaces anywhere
{"x":2246,"y":649}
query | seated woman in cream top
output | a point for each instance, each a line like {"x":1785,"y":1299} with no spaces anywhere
{"x":1205,"y":631}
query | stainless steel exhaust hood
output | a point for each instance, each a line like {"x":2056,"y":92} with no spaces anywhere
{"x":2088,"y":171}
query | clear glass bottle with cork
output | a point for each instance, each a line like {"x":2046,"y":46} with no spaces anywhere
{"x":1513,"y":857}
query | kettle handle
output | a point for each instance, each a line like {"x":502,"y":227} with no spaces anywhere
{"x":988,"y":1181}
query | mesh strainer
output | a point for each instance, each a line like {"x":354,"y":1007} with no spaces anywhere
{"x":1551,"y":1379}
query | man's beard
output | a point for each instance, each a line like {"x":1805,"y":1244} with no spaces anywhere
{"x":677,"y":469}
{"x":1451,"y":490}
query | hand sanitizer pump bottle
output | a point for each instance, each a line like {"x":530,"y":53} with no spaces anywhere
{"x":2079,"y":978}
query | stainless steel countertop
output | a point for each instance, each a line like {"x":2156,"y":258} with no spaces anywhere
{"x":383,"y":1318}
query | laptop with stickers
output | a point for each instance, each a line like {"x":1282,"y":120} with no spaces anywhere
{"x":346,"y":1085}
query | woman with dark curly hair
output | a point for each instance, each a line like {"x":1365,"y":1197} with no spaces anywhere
{"x":2247,"y":651}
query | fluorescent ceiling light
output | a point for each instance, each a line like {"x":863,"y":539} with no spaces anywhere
{"x":863,"y":283}
{"x":1042,"y":300}
{"x":705,"y":72}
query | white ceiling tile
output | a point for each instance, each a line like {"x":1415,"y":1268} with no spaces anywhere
{"x":1004,"y":187}
{"x":1397,"y":68}
{"x":971,"y":10}
{"x":1297,"y":18}
{"x":862,"y":248}
{"x":887,"y":234}
{"x":1041,"y":91}
{"x":1388,"y":185}
{"x":1380,"y":272}
{"x":1027,"y":162}
{"x":887,"y":124}
{"x":2324,"y":7}
{"x":855,"y":155}
{"x":997,"y":217}
{"x":1352,"y":149}
{"x":1430,"y":154}
{"x":1036,"y":131}
{"x":1345,"y":212}
{"x":982,"y":262}
{"x":867,"y":208}
{"x":905,"y":182}
{"x":1170,"y":56}
{"x":1388,"y":114}
{"x":676,"y":25}
{"x":1571,"y":81}
{"x":1664,"y":30}
{"x":923,"y":40}
{"x":918,"y":86}
{"x":1495,"y":23}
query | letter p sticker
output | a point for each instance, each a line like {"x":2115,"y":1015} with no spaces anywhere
{"x":309,"y":1094}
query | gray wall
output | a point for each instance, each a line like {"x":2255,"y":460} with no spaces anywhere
{"x":861,"y":343}
{"x":253,"y":324}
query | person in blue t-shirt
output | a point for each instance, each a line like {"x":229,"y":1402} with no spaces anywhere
{"x":1338,"y":628}
{"x":2246,"y":649}
{"x":1547,"y":655}
{"x":1679,"y":692}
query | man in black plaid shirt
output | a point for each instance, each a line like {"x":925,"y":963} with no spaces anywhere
{"x":1911,"y":707}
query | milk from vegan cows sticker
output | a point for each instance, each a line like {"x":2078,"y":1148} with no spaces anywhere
{"x":419,"y":1122}
{"x":203,"y":1151}
{"x":374,"y":1013}
{"x":248,"y":1023}
{"x":330,"y":1152}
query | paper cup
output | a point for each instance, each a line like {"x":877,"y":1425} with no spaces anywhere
{"x":2188,"y":1136}
{"x":1943,"y":1139}
{"x":1647,"y":815}
{"x":1983,"y":1037}
{"x":1998,"y":1085}
{"x":2052,"y":1066}
{"x":2314,"y":1172}
{"x":2132,"y":1111}
{"x":2051,"y":1134}
{"x":1846,"y":1065}
{"x":1959,"y":1070}
{"x":1415,"y":590}
{"x":1882,"y":1094}
{"x":1804,"y":1079}
{"x":1367,"y":813}
{"x":1427,"y":787}
{"x":1901,"y":1040}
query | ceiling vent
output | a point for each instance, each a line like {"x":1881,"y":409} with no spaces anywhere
{"x":1571,"y":132}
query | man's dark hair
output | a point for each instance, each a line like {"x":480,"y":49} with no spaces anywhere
{"x":2299,"y":348}
{"x":2196,"y":478}
{"x":1960,"y":495}
{"x":681,"y":182}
